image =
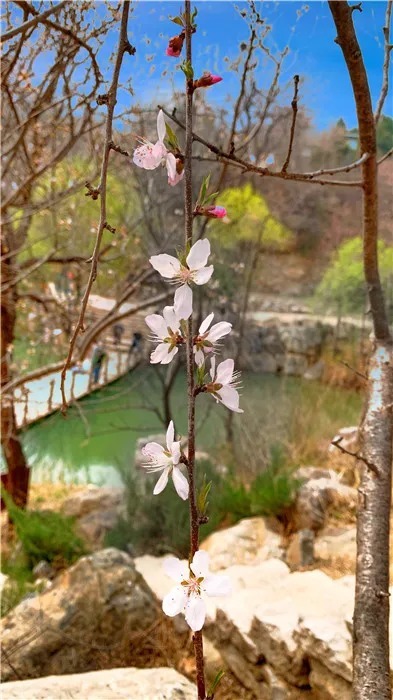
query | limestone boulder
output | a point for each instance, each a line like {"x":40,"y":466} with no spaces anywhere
{"x":112,"y":684}
{"x":96,"y":510}
{"x":339,"y":545}
{"x":320,"y":491}
{"x":91,"y":499}
{"x":248,"y":542}
{"x":89,"y":612}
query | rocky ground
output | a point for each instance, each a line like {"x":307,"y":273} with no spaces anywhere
{"x":284,"y":633}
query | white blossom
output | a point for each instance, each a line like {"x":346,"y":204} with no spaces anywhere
{"x":166,"y":461}
{"x":223,"y":384}
{"x":166,"y":330}
{"x":207,"y":338}
{"x":193,"y":582}
{"x":195,"y":270}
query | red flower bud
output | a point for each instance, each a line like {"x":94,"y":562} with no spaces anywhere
{"x":207,"y":80}
{"x":175,"y":45}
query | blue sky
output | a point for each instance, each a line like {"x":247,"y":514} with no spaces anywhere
{"x":326,"y":92}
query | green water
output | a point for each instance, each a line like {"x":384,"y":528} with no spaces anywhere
{"x":91,"y":443}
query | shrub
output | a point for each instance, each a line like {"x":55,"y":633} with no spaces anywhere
{"x":45,"y":535}
{"x":160,"y":525}
{"x":156,"y":525}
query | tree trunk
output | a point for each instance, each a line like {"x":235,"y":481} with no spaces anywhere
{"x":17,"y":481}
{"x":371,"y":674}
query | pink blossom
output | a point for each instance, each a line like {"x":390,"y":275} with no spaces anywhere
{"x":151,"y":155}
{"x":192,"y":581}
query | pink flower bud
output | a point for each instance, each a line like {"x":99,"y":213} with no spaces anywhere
{"x":207,"y":80}
{"x":213,"y":212}
{"x":216,"y":212}
{"x":175,"y":46}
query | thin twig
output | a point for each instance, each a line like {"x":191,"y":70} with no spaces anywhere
{"x":293,"y":125}
{"x":386,"y":61}
{"x":33,"y":22}
{"x":357,"y":455}
{"x":123,"y":47}
{"x":246,"y":166}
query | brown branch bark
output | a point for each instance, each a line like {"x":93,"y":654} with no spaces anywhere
{"x":296,"y":80}
{"x":247,"y":167}
{"x":123,"y":47}
{"x":371,"y":672}
{"x":188,"y":226}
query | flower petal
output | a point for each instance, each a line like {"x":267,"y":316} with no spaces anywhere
{"x":225,"y":371}
{"x":219,"y":330}
{"x":146,"y":157}
{"x":195,"y":613}
{"x":176,"y":569}
{"x":183,"y":302}
{"x":200,"y":563}
{"x":153,"y":449}
{"x":167,"y":265}
{"x":199,"y":357}
{"x":198,"y":255}
{"x":175,"y":452}
{"x":162,"y":482}
{"x":170,"y":318}
{"x":171,"y":166}
{"x":174,"y":601}
{"x":170,"y":435}
{"x":217,"y":585}
{"x":203,"y":275}
{"x":163,"y":354}
{"x":180,"y":483}
{"x":161,"y":126}
{"x":158,"y":325}
{"x":205,"y":324}
{"x":176,"y":178}
{"x":213,"y":367}
{"x":230,"y":398}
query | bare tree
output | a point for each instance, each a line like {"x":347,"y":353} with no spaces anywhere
{"x":371,"y":679}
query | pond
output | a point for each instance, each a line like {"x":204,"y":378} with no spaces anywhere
{"x":97,"y":440}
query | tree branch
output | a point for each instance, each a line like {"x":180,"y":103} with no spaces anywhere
{"x":33,"y":22}
{"x":265,"y":172}
{"x":386,"y":61}
{"x":293,"y":125}
{"x":123,"y":47}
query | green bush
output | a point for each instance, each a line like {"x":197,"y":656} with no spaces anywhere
{"x":156,"y":524}
{"x":160,"y":525}
{"x":45,"y":535}
{"x":274,"y":490}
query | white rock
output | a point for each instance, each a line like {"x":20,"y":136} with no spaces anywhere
{"x":247,"y":542}
{"x":112,"y":684}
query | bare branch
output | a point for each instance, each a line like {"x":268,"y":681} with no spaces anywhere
{"x":293,"y":125}
{"x":386,"y":61}
{"x":357,"y":455}
{"x":33,"y":22}
{"x":123,"y":47}
{"x":246,"y":166}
